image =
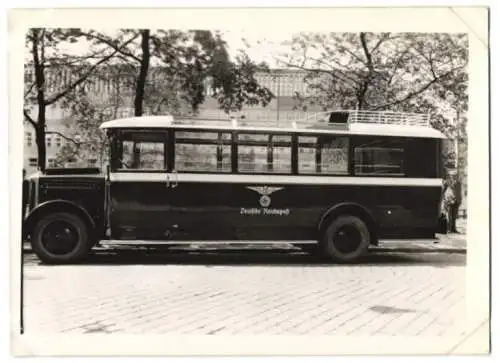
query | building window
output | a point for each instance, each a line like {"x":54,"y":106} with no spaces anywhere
{"x":92,"y":161}
{"x":29,"y":140}
{"x":379,"y":157}
{"x":124,"y":112}
{"x":49,"y":141}
{"x":58,"y":141}
{"x":33,"y":161}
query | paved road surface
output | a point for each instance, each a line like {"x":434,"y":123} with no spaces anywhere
{"x":248,"y":293}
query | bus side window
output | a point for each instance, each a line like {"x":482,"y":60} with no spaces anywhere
{"x":323,"y":155}
{"x":264,"y":153}
{"x":203,"y":151}
{"x":143,"y":155}
{"x":139,"y":151}
{"x":379,"y":156}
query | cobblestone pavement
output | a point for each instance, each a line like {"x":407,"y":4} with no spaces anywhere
{"x":247,"y":293}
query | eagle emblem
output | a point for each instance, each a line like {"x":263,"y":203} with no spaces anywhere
{"x":265,"y":192}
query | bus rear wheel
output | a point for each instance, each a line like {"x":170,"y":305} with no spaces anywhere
{"x":346,"y":239}
{"x":60,"y":238}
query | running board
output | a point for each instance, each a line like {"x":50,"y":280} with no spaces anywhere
{"x":243,"y":242}
{"x":187,"y":243}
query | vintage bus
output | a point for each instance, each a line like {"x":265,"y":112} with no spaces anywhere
{"x":332,"y":185}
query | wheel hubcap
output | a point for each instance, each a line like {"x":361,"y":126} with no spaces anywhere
{"x":347,"y":239}
{"x":60,"y":238}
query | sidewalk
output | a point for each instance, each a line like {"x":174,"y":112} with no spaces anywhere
{"x":450,"y":243}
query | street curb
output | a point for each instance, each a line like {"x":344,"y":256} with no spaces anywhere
{"x":419,"y":250}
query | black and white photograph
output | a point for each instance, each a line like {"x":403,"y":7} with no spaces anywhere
{"x":270,"y":174}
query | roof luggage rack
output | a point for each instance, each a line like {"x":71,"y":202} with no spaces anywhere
{"x":333,"y":118}
{"x":372,"y":117}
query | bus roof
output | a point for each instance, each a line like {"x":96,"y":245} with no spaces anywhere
{"x":358,"y":126}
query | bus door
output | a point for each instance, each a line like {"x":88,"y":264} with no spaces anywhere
{"x":200,"y":197}
{"x":139,"y":186}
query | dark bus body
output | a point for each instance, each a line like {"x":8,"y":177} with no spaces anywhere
{"x":332,"y":192}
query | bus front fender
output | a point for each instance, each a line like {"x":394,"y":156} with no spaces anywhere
{"x":54,"y":206}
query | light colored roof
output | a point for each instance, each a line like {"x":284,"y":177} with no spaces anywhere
{"x":139,"y":122}
{"x":159,"y":122}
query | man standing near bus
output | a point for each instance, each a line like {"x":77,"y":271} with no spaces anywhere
{"x":449,"y":201}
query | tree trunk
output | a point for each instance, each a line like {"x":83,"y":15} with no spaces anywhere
{"x":38,"y":64}
{"x":361,"y":95}
{"x":143,"y":72}
{"x":40,"y":140}
{"x":459,"y":177}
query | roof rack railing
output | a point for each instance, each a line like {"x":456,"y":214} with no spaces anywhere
{"x":235,"y":122}
{"x":376,"y":117}
{"x":349,"y":117}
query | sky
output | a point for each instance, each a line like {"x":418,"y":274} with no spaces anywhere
{"x":264,"y":47}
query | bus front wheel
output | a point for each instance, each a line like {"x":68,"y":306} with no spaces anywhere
{"x":61,"y":238}
{"x":346,"y":239}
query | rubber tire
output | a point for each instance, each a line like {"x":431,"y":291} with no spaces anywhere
{"x":329,"y":248}
{"x":77,"y":255}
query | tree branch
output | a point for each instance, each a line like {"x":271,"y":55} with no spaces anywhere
{"x":29,"y":90}
{"x":419,"y":91}
{"x":354,"y":55}
{"x":42,"y":47}
{"x":385,"y":38}
{"x":336,"y":70}
{"x":396,"y":66}
{"x":86,"y":75}
{"x":77,"y":143}
{"x":70,"y":60}
{"x":29,"y":119}
{"x":117,"y":48}
{"x":39,"y":68}
{"x":333,"y":73}
{"x":369,"y":61}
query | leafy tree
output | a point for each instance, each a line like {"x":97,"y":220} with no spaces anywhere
{"x":237,"y":86}
{"x":374,"y":71}
{"x":86,"y":140}
{"x":43,"y":46}
{"x":411,"y":72}
{"x":187,"y":61}
{"x":164,"y":72}
{"x":454,"y":92}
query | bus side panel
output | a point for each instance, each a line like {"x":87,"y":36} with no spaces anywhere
{"x":292,"y":212}
{"x":140,"y":210}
